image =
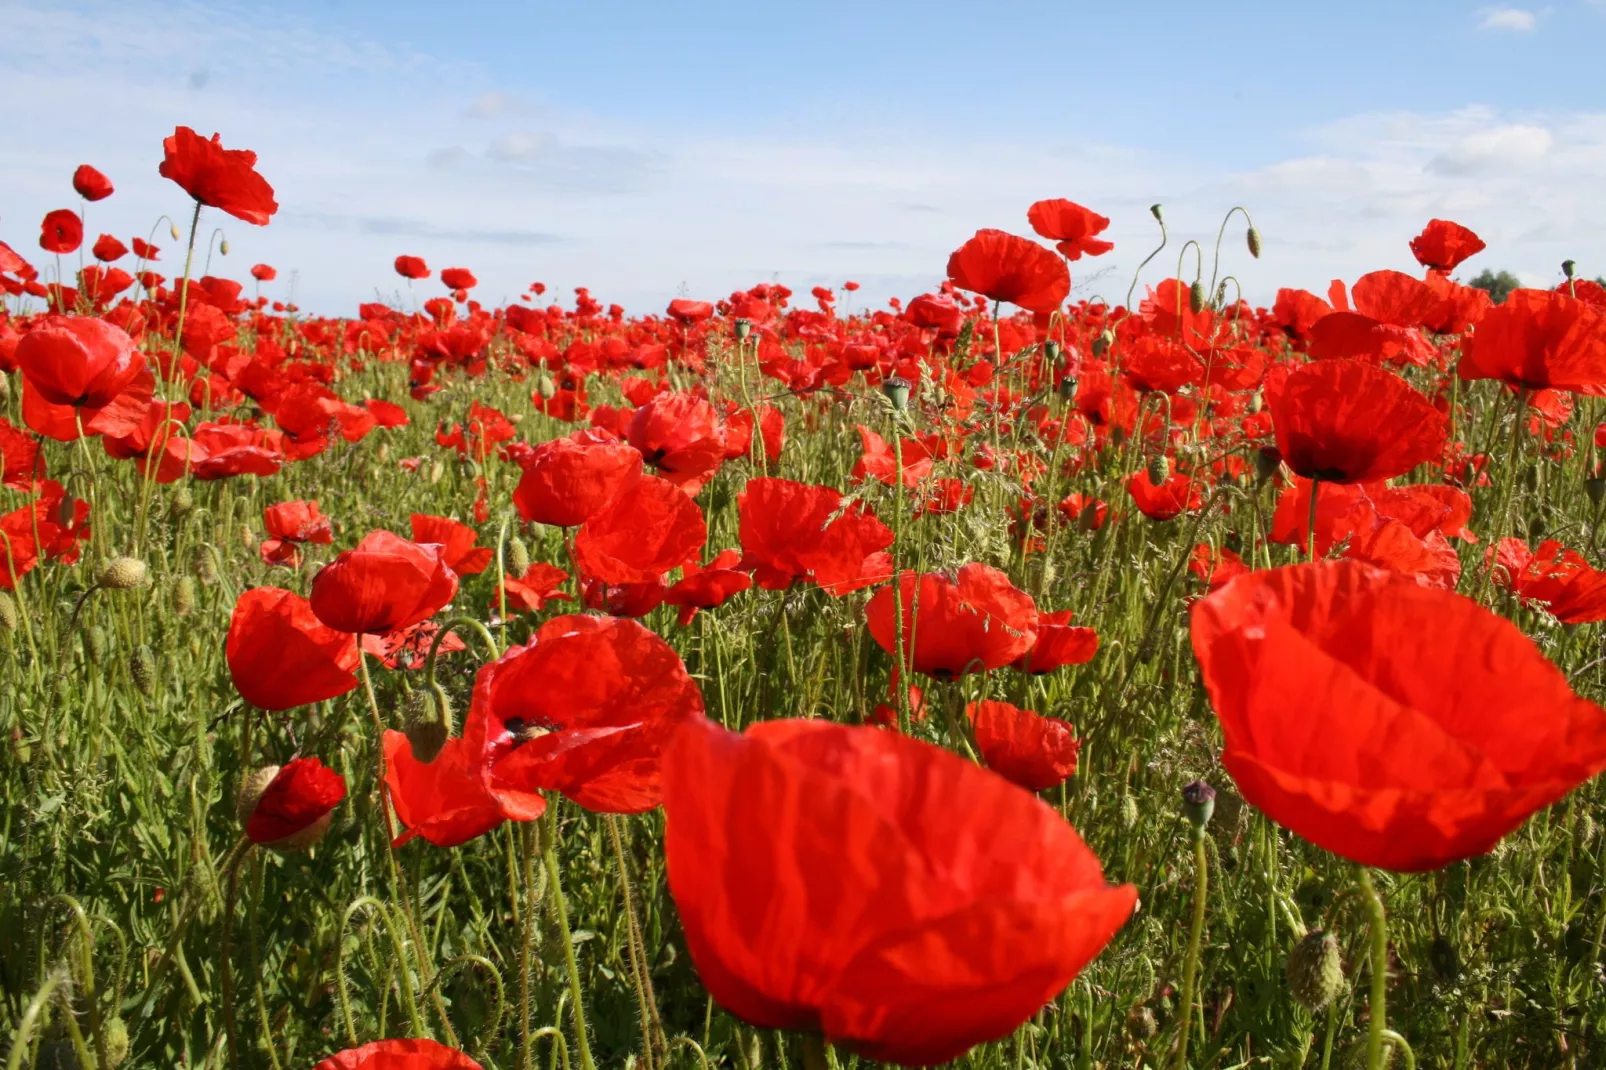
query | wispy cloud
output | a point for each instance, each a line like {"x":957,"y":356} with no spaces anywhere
{"x":1512,"y":19}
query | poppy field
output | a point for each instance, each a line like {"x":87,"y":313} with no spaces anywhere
{"x":989,"y":678}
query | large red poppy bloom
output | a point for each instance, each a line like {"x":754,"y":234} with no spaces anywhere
{"x":651,"y":527}
{"x":79,"y":361}
{"x":1539,"y":339}
{"x":399,"y":1055}
{"x":827,"y":882}
{"x":90,"y":184}
{"x":412,"y":267}
{"x":218,"y":177}
{"x":61,"y":231}
{"x":1004,"y":267}
{"x":1070,"y":226}
{"x":586,"y":709}
{"x":793,"y":531}
{"x":1393,"y":724}
{"x":1023,"y":747}
{"x":384,"y":585}
{"x":280,"y":655}
{"x":976,"y":622}
{"x":567,"y":481}
{"x":679,"y":434}
{"x":1348,"y":421}
{"x":1442,"y":245}
{"x":300,"y":795}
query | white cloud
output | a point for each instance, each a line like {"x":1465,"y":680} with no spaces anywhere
{"x":1514,"y":19}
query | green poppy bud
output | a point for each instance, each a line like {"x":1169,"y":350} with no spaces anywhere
{"x":122,"y":573}
{"x":1254,"y":243}
{"x":1160,"y":470}
{"x":518,"y":555}
{"x":1315,"y":971}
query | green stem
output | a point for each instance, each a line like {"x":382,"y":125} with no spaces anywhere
{"x":1190,"y":965}
{"x":560,"y":911}
{"x":1377,"y":1010}
{"x":652,"y":1029}
{"x":1310,"y":524}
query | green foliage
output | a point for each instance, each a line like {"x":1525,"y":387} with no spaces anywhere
{"x":1497,"y":285}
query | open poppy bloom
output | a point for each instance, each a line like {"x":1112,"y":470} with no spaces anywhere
{"x":585,"y":709}
{"x":533,"y":590}
{"x":1023,"y":747}
{"x":1442,"y":245}
{"x":280,"y":655}
{"x":1537,"y":339}
{"x":1560,"y":580}
{"x":793,"y":531}
{"x":709,"y":586}
{"x":90,"y":184}
{"x":1390,"y":723}
{"x":289,"y":523}
{"x":456,"y":540}
{"x":444,"y":801}
{"x":456,"y":278}
{"x":680,"y":436}
{"x":62,"y":231}
{"x":1059,"y":643}
{"x":1070,"y":226}
{"x":293,"y":808}
{"x":1348,"y":421}
{"x":399,"y":1055}
{"x":976,"y":622}
{"x":412,"y":267}
{"x":827,"y":882}
{"x":650,"y":528}
{"x":566,"y":481}
{"x":218,"y":177}
{"x":1004,"y":267}
{"x":384,"y":585}
{"x":1164,"y":501}
{"x":78,"y":361}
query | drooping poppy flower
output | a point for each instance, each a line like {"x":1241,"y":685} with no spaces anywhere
{"x":280,"y":655}
{"x":585,"y":709}
{"x":567,"y":481}
{"x":90,"y":184}
{"x":1070,"y":226}
{"x":412,"y":267}
{"x":1393,"y":724}
{"x":218,"y":177}
{"x":383,"y":585}
{"x":679,"y":434}
{"x":1539,"y":339}
{"x":1004,"y":267}
{"x":1179,"y":494}
{"x":399,"y":1055}
{"x":78,"y":361}
{"x":792,"y":531}
{"x":651,"y":527}
{"x":1442,"y":245}
{"x":880,"y":461}
{"x":1059,"y":643}
{"x":61,"y":232}
{"x":1560,"y":580}
{"x":1023,"y":747}
{"x":445,"y":801}
{"x":107,"y":248}
{"x":1215,"y":567}
{"x":299,"y":798}
{"x":456,"y":540}
{"x":976,"y":622}
{"x":827,"y":883}
{"x":1348,"y":421}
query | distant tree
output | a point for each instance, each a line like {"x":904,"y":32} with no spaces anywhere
{"x":1498,"y":286}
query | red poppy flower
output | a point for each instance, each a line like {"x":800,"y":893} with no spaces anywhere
{"x":688,"y":312}
{"x":399,"y":1055}
{"x":20,"y":460}
{"x":49,"y":527}
{"x":300,"y":796}
{"x":976,"y":622}
{"x":1059,"y":643}
{"x":566,"y":481}
{"x":680,"y":436}
{"x":108,"y":248}
{"x":793,"y":531}
{"x":1538,"y":339}
{"x":826,"y":882}
{"x":652,"y":526}
{"x":445,"y":801}
{"x":386,"y":413}
{"x":384,"y":585}
{"x":1004,"y":267}
{"x":456,"y":540}
{"x":539,"y":585}
{"x":280,"y":655}
{"x":412,"y":267}
{"x":1560,"y":580}
{"x":707,"y":587}
{"x":91,"y":184}
{"x":586,"y":710}
{"x":61,"y":232}
{"x":456,"y":278}
{"x":408,"y":648}
{"x":880,"y":461}
{"x":218,"y":177}
{"x":78,"y":361}
{"x":264,"y":272}
{"x":288,"y":523}
{"x":1393,"y":724}
{"x":1347,"y":421}
{"x":1023,"y":747}
{"x":1070,"y":226}
{"x":1215,"y":568}
{"x":1442,"y":245}
{"x":145,"y":250}
{"x":1177,"y":495}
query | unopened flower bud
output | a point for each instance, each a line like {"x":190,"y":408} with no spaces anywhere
{"x":1196,"y":296}
{"x":437,"y":470}
{"x":223,"y":247}
{"x":1101,"y":344}
{"x":1315,"y":971}
{"x":142,"y":669}
{"x":427,"y":722}
{"x":545,"y":386}
{"x":1129,"y":812}
{"x":1198,"y":803}
{"x":205,"y":566}
{"x":8,"y":613}
{"x":1254,"y":243}
{"x":95,"y":644}
{"x":1141,"y":1023}
{"x":5,"y":387}
{"x":1157,"y":212}
{"x":184,"y":596}
{"x":1257,"y":401}
{"x":518,"y":556}
{"x":1052,"y":350}
{"x":122,"y":573}
{"x":183,"y":501}
{"x":172,"y":228}
{"x":1160,"y":470}
{"x":1267,"y":461}
{"x":115,"y":1031}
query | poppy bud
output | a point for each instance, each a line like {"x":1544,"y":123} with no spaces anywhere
{"x":1585,"y":831}
{"x":184,"y":596}
{"x":251,"y":788}
{"x":1052,"y":350}
{"x":1160,"y":470}
{"x":21,"y":750}
{"x":1158,"y":213}
{"x":897,"y":392}
{"x":1595,"y":487}
{"x":1129,"y":812}
{"x":95,"y":644}
{"x":1442,"y":957}
{"x":223,"y":247}
{"x":182,"y":503}
{"x":427,"y":722}
{"x":1254,"y":243}
{"x":384,"y":452}
{"x":1257,"y":401}
{"x":1569,"y":268}
{"x":1315,"y":972}
{"x":1198,"y":803}
{"x":518,"y":555}
{"x":142,"y":669}
{"x":1102,"y":344}
{"x":545,"y":386}
{"x":437,"y":470}
{"x":5,"y":388}
{"x":1196,"y":296}
{"x":1267,"y":461}
{"x":1141,"y":1024}
{"x":743,"y":329}
{"x":287,"y":808}
{"x":204,"y":565}
{"x":115,"y":1032}
{"x":172,"y":228}
{"x":122,"y":573}
{"x":8,"y":613}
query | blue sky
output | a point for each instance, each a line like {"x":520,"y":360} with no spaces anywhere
{"x":646,"y":149}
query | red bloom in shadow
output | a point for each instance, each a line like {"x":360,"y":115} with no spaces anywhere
{"x":218,"y":177}
{"x":1393,"y":724}
{"x":399,"y":1055}
{"x":384,"y":585}
{"x":456,"y":541}
{"x":1059,"y":643}
{"x":446,"y":800}
{"x":793,"y":531}
{"x":976,"y":622}
{"x":1347,"y":421}
{"x":1538,"y":339}
{"x":567,"y":481}
{"x":826,"y":882}
{"x":586,"y":710}
{"x":1003,"y":267}
{"x":1560,"y":580}
{"x":1442,"y":245}
{"x":1023,"y":747}
{"x":651,"y":527}
{"x":1070,"y":226}
{"x":299,"y":796}
{"x":280,"y":655}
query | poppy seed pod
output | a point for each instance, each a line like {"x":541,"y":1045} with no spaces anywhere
{"x":897,"y":392}
{"x":1198,"y":803}
{"x":1569,"y":268}
{"x":1052,"y":350}
{"x":1067,"y":389}
{"x":1254,"y":242}
{"x":743,"y":328}
{"x":122,"y":573}
{"x":1315,"y":971}
{"x":545,"y":386}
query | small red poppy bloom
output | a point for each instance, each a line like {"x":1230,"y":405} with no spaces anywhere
{"x":61,"y":232}
{"x":679,"y":434}
{"x":539,"y":585}
{"x":108,"y":248}
{"x":218,"y":177}
{"x":585,"y":709}
{"x":146,"y":251}
{"x":79,"y":361}
{"x":1059,"y":643}
{"x":1561,"y":581}
{"x":288,"y":523}
{"x":384,"y":585}
{"x":399,"y":1055}
{"x":445,"y":801}
{"x":412,"y":267}
{"x":976,"y":622}
{"x":793,"y":531}
{"x":709,"y":586}
{"x":264,"y":272}
{"x":879,"y":460}
{"x":300,"y":795}
{"x":1070,"y":226}
{"x":90,"y":184}
{"x":688,"y":312}
{"x":1348,"y":421}
{"x":1165,"y":501}
{"x":456,"y":540}
{"x":1003,"y":267}
{"x":1023,"y":747}
{"x":1391,"y":723}
{"x":566,"y":481}
{"x":827,"y":882}
{"x":1442,"y":245}
{"x":280,"y":655}
{"x":650,"y":528}
{"x":1539,"y":339}
{"x":456,"y":278}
